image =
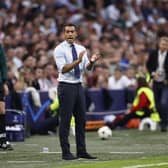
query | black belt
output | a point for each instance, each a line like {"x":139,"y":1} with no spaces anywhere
{"x":67,"y":83}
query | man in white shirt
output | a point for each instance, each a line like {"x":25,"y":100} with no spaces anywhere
{"x":118,"y":81}
{"x":71,"y":60}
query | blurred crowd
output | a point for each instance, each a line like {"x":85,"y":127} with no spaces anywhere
{"x":123,"y":31}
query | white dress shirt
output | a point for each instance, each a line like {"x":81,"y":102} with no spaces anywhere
{"x":63,"y":56}
{"x":160,"y":69}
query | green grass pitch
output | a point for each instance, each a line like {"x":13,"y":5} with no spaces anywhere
{"x":125,"y":149}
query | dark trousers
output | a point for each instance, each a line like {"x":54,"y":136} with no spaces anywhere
{"x":2,"y":117}
{"x":72,"y":101}
{"x":161,"y":99}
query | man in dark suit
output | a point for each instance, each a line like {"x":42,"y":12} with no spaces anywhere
{"x":157,"y":66}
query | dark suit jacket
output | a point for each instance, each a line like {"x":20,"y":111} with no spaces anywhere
{"x":3,"y":66}
{"x":152,"y":62}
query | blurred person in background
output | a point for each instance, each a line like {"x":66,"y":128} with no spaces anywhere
{"x":41,"y":82}
{"x":141,"y":71}
{"x":38,"y":74}
{"x":131,"y":75}
{"x":4,"y":144}
{"x":157,"y":66}
{"x":51,"y":74}
{"x":118,"y":80}
{"x":92,"y":79}
{"x":143,"y":105}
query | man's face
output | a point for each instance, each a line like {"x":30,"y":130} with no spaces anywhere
{"x":70,"y":33}
{"x":163,"y":45}
{"x":117,"y":74}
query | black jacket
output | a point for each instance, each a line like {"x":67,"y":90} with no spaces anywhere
{"x":152,"y":63}
{"x":3,"y":66}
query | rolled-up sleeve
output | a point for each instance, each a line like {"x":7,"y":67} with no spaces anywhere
{"x":59,"y":58}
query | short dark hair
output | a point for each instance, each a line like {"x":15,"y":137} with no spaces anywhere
{"x":69,"y":25}
{"x":118,"y":68}
{"x":142,"y":82}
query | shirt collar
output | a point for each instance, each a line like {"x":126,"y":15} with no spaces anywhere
{"x":69,"y":44}
{"x":163,"y":53}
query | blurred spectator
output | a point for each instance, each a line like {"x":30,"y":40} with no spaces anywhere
{"x":43,"y":83}
{"x":118,"y":80}
{"x":93,"y":78}
{"x":142,"y":106}
{"x":51,"y":74}
{"x":131,"y":75}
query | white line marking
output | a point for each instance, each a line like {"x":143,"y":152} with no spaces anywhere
{"x":25,"y":161}
{"x":51,"y":152}
{"x":31,"y":144}
{"x":147,"y":165}
{"x":126,"y":152}
{"x":2,"y":152}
